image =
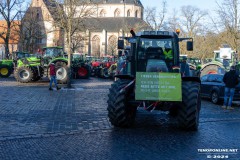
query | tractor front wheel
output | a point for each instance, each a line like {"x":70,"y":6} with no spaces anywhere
{"x":120,"y":113}
{"x":188,"y":113}
{"x":23,"y":74}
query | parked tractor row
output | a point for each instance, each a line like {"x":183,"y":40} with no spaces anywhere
{"x":104,"y":67}
{"x":29,"y":67}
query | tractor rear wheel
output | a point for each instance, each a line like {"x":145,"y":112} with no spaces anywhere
{"x":188,"y":113}
{"x":5,"y":71}
{"x":23,"y":74}
{"x":120,"y":113}
{"x":83,"y":72}
{"x":61,"y":72}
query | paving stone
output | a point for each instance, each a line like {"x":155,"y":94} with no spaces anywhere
{"x":73,"y":124}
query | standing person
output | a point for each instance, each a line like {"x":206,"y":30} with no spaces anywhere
{"x":53,"y":77}
{"x":184,"y":67}
{"x":231,"y":80}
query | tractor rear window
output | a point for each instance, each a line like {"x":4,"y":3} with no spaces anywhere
{"x":154,"y":47}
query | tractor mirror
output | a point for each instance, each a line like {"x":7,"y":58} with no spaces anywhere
{"x":120,"y":44}
{"x":189,"y":45}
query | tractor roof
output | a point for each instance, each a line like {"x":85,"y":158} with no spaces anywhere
{"x":156,"y":33}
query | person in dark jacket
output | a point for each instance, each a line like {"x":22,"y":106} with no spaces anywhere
{"x":231,"y":80}
{"x":184,"y":67}
{"x":53,"y":76}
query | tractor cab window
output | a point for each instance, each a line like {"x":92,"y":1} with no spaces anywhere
{"x":53,"y":52}
{"x":160,"y":49}
{"x":155,"y":48}
{"x":20,"y":55}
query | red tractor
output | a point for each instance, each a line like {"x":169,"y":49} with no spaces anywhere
{"x":109,"y":67}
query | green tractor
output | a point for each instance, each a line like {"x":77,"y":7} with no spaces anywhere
{"x":223,"y":59}
{"x":33,"y":69}
{"x":80,"y":67}
{"x":154,"y":82}
{"x":7,"y":65}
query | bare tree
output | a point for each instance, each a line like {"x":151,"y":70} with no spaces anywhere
{"x":9,"y":10}
{"x":229,"y":20}
{"x":78,"y":42}
{"x":192,"y":19}
{"x":155,"y":18}
{"x":70,"y":16}
{"x":31,"y":31}
{"x":173,"y":22}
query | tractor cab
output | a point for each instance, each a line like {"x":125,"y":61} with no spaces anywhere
{"x":154,"y":51}
{"x":53,"y":52}
{"x":19,"y":55}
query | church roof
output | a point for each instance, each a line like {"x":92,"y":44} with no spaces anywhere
{"x":114,"y":24}
{"x":52,"y":8}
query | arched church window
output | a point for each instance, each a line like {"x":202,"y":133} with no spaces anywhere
{"x":103,"y":13}
{"x":136,"y":13}
{"x":112,"y":45}
{"x":128,"y":13}
{"x":96,"y":46}
{"x":117,"y":13}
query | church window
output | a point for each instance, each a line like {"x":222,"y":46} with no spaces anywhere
{"x":96,"y":46}
{"x":117,"y":13}
{"x":128,"y":13}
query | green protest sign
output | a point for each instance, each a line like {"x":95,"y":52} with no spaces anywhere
{"x":158,"y":86}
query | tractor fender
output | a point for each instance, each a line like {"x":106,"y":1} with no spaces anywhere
{"x":59,"y":60}
{"x":212,"y":63}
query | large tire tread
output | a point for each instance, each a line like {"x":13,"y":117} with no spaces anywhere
{"x":19,"y":69}
{"x":119,"y":114}
{"x":188,"y":113}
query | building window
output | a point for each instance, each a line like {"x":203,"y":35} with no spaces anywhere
{"x":136,"y":13}
{"x":128,"y":13}
{"x":112,"y":45}
{"x":38,"y":15}
{"x":117,"y":13}
{"x":96,"y":46}
{"x":103,"y":13}
{"x":38,"y":37}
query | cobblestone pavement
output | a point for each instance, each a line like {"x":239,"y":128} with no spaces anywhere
{"x":72,"y":124}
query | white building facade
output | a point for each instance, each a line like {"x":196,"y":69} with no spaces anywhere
{"x":111,"y":19}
